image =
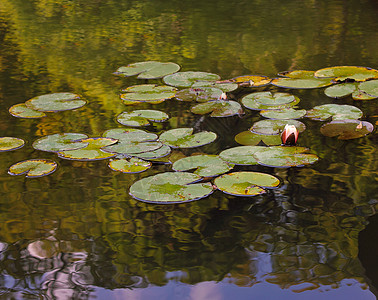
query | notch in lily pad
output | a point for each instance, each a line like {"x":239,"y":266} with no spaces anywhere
{"x":218,"y":108}
{"x":185,"y":138}
{"x":188,"y":78}
{"x":129,"y":165}
{"x":33,"y":168}
{"x":170,"y":188}
{"x":246,"y":183}
{"x":347,"y":129}
{"x":347,"y":73}
{"x":300,"y":79}
{"x":8,"y":143}
{"x":334,"y":112}
{"x":150,"y":93}
{"x":55,"y":102}
{"x":142,"y":117}
{"x":249,"y":138}
{"x":148,"y":69}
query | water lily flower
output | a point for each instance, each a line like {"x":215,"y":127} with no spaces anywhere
{"x":223,"y":96}
{"x":289,"y":135}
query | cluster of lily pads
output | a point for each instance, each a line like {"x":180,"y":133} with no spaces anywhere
{"x":132,"y":150}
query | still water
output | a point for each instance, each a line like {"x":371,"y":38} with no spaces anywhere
{"x":77,"y":234}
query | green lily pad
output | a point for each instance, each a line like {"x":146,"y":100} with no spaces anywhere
{"x":148,"y":69}
{"x":10,"y":143}
{"x":205,"y":165}
{"x":223,"y":86}
{"x":163,"y":151}
{"x":129,"y":165}
{"x":301,"y":80}
{"x":274,"y":127}
{"x":150,"y":93}
{"x":55,"y":102}
{"x":141,"y":117}
{"x":366,"y":90}
{"x":347,"y":129}
{"x":245,"y":183}
{"x":341,"y":90}
{"x":285,"y":156}
{"x":199,"y":94}
{"x":249,"y":138}
{"x":251,"y":80}
{"x":334,"y":111}
{"x":60,"y":142}
{"x":93,"y":150}
{"x":268,"y":100}
{"x":170,"y":187}
{"x":343,"y":73}
{"x":187,"y":79}
{"x":22,"y":111}
{"x":33,"y":168}
{"x":184,"y":138}
{"x":283,"y":114}
{"x":369,"y":87}
{"x":131,"y":141}
{"x":218,"y":108}
{"x":241,"y":155}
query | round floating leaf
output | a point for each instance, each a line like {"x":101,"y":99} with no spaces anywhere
{"x":164,"y":150}
{"x":218,"y":108}
{"x":251,"y":80}
{"x":301,"y":80}
{"x":60,"y":142}
{"x":22,"y":111}
{"x":10,"y":143}
{"x":223,"y":86}
{"x":342,"y":73}
{"x":275,"y":127}
{"x":285,"y":156}
{"x":55,"y":102}
{"x":33,"y":168}
{"x":131,"y":165}
{"x":170,"y":187}
{"x":283,"y":114}
{"x":148,"y":69}
{"x":91,"y":152}
{"x":267,"y":100}
{"x":340,"y":90}
{"x":369,"y":87}
{"x":187,"y":79}
{"x":334,"y":111}
{"x":184,"y":138}
{"x":347,"y":129}
{"x":249,"y":138}
{"x":205,"y":165}
{"x":130,"y":135}
{"x":141,"y":117}
{"x":148,"y":93}
{"x":199,"y":94}
{"x":245,"y":183}
{"x":241,"y":155}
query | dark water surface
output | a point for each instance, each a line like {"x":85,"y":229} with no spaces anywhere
{"x":77,"y":234}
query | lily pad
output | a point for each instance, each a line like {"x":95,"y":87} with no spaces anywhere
{"x":148,"y":69}
{"x":223,"y":86}
{"x":284,"y":114}
{"x":55,"y":102}
{"x":150,"y":93}
{"x":268,"y":100}
{"x":369,"y":87}
{"x":301,"y":80}
{"x":163,"y":151}
{"x":22,"y":111}
{"x":341,"y":90}
{"x":93,"y":150}
{"x":10,"y":143}
{"x":251,"y":80}
{"x":275,"y":127}
{"x":345,"y":73}
{"x":129,"y":165}
{"x":60,"y":142}
{"x":170,"y":187}
{"x":141,"y":117}
{"x":33,"y":168}
{"x":199,"y":94}
{"x":184,"y":138}
{"x":241,"y":155}
{"x":347,"y":129}
{"x":360,"y":91}
{"x":187,"y":79}
{"x":218,"y":108}
{"x":249,"y":138}
{"x":335,"y":112}
{"x":205,"y":165}
{"x":284,"y":157}
{"x":245,"y":183}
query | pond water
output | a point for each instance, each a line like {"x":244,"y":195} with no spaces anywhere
{"x":78,"y":234}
